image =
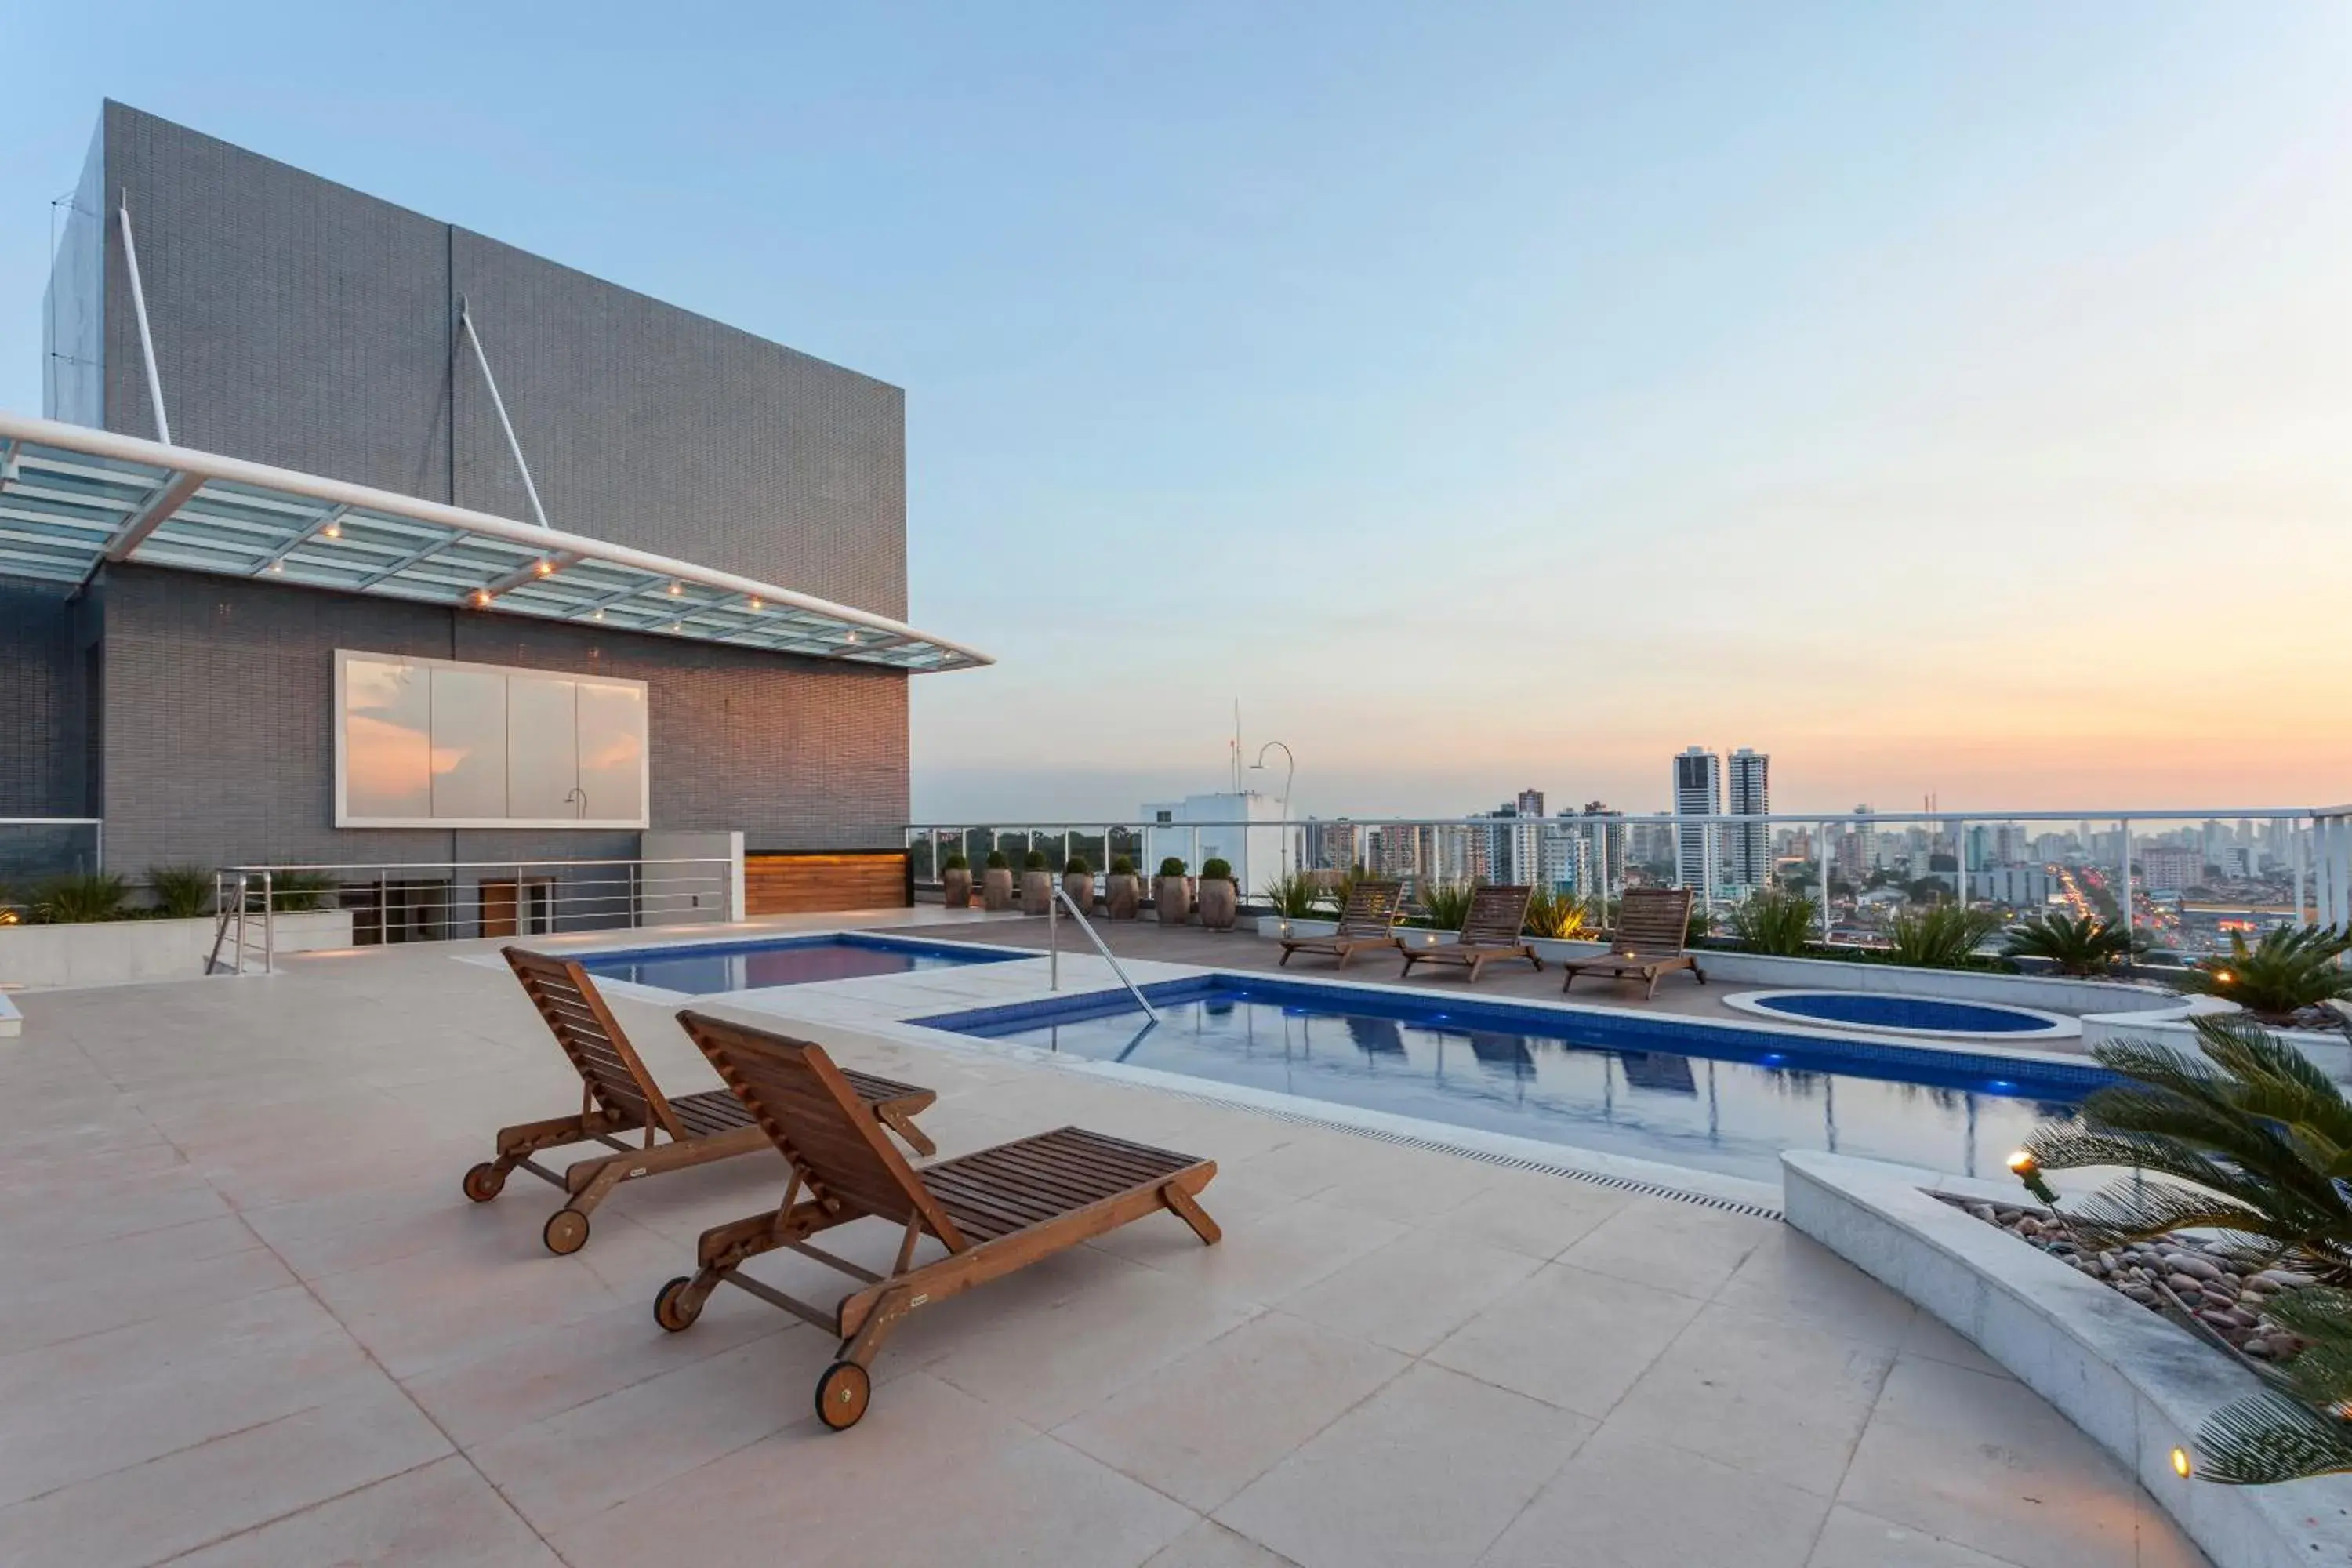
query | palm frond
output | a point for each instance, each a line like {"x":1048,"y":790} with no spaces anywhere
{"x":2268,"y":1437}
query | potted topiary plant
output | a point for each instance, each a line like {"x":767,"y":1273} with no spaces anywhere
{"x":1078,"y":882}
{"x":996,"y":883}
{"x":1124,"y":893}
{"x":955,"y":881}
{"x":1036,"y":884}
{"x":1220,"y":899}
{"x":1172,"y":893}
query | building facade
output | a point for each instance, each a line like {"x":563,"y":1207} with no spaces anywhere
{"x":294,"y":322}
{"x":1698,"y":791}
{"x":1749,"y":775}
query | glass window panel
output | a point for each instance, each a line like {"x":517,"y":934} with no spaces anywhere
{"x":542,"y":760}
{"x":469,"y":744}
{"x":611,"y":752}
{"x":387,"y":739}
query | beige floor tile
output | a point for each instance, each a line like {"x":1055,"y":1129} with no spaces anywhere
{"x":1381,"y":1485}
{"x":1538,"y":1214}
{"x":1209,"y":1544}
{"x":112,"y":1400}
{"x":442,"y":1514}
{"x":1927,"y":1335}
{"x":1623,"y":1503}
{"x":1413,"y":1293}
{"x":88,"y":1290}
{"x":1789,"y":1275}
{"x":1852,"y":1539}
{"x":197,"y":1496}
{"x":1212,"y":1421}
{"x":1986,"y":1462}
{"x":1764,"y":1395}
{"x":1280,"y":1253}
{"x":451,"y":1303}
{"x":1409,"y":1183}
{"x":1677,"y":1247}
{"x":1568,"y":1338}
{"x":558,"y":1471}
{"x":1099,"y":1337}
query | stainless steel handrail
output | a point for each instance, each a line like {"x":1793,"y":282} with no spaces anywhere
{"x":1053,"y":951}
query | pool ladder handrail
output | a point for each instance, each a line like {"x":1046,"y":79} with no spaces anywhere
{"x":1053,"y":949}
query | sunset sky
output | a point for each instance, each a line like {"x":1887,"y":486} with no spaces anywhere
{"x":1952,"y":399}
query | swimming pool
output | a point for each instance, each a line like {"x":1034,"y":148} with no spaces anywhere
{"x":704,"y":968}
{"x":1893,"y":1014}
{"x":1711,"y":1097}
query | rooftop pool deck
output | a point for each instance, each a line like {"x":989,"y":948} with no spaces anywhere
{"x":266,"y":1328}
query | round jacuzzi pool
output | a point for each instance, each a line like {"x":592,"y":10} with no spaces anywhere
{"x":1887,"y":1014}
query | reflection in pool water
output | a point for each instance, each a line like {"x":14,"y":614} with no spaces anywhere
{"x":1722,"y":1098}
{"x":712,"y":967}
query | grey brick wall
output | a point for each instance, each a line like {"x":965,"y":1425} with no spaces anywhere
{"x":220,"y":749}
{"x":44,"y":742}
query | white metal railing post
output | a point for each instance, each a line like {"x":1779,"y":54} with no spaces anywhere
{"x":2295,"y":845}
{"x":2123,"y":904}
{"x":1053,"y":940}
{"x":269,"y":924}
{"x":1960,"y":856}
{"x":1821,"y":854}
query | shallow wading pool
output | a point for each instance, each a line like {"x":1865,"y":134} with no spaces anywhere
{"x":1707,"y":1096}
{"x":1887,"y":1014}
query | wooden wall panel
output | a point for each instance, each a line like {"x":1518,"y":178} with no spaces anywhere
{"x":800,"y":884}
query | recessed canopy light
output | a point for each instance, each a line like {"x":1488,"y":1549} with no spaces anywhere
{"x":333,"y":531}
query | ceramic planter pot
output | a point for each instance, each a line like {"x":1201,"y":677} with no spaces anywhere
{"x":1080,"y":887}
{"x":1037,"y":891}
{"x":1174,"y":896}
{"x":996,"y":889}
{"x":955,"y":888}
{"x":1220,"y":902}
{"x":1125,"y":895}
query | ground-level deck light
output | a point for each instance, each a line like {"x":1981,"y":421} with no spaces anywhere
{"x":2181,"y":1465}
{"x":2029,"y":1170}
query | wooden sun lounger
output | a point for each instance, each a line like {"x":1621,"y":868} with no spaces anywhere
{"x":1493,"y":930}
{"x":1653,"y":937}
{"x":995,"y":1211}
{"x":618,"y":1095}
{"x":1369,"y":920}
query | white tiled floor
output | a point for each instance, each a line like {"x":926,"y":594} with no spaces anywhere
{"x":251,"y":1321}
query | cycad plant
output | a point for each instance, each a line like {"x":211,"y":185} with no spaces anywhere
{"x":1563,"y":917}
{"x":1445,"y":904}
{"x":2291,"y":968}
{"x":1944,"y":937}
{"x":1779,"y":923}
{"x":2077,"y":945}
{"x":2295,"y":1428}
{"x":301,"y":891}
{"x":1294,"y":895}
{"x":181,"y":892}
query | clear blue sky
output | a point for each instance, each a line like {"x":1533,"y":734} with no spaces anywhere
{"x":1938,"y":397}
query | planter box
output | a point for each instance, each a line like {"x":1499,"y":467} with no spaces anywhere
{"x":125,"y":953}
{"x":2136,"y":1385}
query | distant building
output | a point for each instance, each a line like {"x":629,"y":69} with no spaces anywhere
{"x":1329,"y":846}
{"x":2021,"y":886}
{"x":1750,"y":844}
{"x":1698,"y":791}
{"x":2167,"y":870}
{"x":2008,"y":846}
{"x":1256,"y":850}
{"x":1857,"y":848}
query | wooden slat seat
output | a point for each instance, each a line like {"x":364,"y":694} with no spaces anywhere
{"x":618,"y":1095}
{"x":1368,"y":921}
{"x":1652,"y":939}
{"x":994,"y":1211}
{"x":1494,"y":928}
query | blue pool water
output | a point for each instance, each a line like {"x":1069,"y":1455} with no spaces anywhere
{"x":703,"y":970}
{"x":1873,"y":1010}
{"x":1708,"y":1096}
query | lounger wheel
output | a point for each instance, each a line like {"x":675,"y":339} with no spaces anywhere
{"x":843,"y":1393}
{"x":566,"y":1232}
{"x":676,"y":1307}
{"x":484,"y":1181}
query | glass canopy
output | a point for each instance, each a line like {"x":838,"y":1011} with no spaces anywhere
{"x":73,"y":498}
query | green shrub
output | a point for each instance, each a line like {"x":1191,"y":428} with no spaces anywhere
{"x":1033,"y":861}
{"x":956,"y":861}
{"x":997,"y":862}
{"x":1563,"y":917}
{"x":2288,"y":970}
{"x":1080,"y":864}
{"x":181,"y":892}
{"x":1945,"y":937}
{"x":72,"y":901}
{"x":1701,"y":923}
{"x":2077,"y":945}
{"x":1214,"y":870}
{"x":1122,"y":867}
{"x":1171,"y":867}
{"x":1444,"y":905}
{"x":295,"y":893}
{"x":1782,"y":925}
{"x":1296,"y":896}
